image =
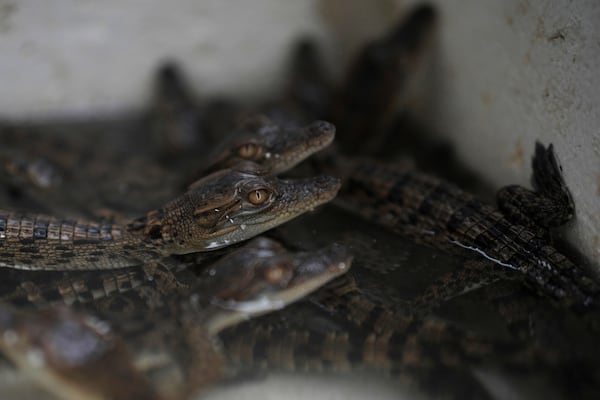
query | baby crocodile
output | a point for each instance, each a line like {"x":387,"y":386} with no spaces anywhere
{"x":277,"y":149}
{"x":71,"y":354}
{"x":78,"y":356}
{"x":223,"y":208}
{"x":439,"y":214}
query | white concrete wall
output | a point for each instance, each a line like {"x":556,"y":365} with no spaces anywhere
{"x":71,"y":56}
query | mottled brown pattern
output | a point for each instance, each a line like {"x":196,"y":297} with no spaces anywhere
{"x":439,"y":214}
{"x":77,"y":287}
{"x":214,"y":213}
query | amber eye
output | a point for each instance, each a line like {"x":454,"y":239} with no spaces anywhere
{"x":258,"y":196}
{"x":248,"y":151}
{"x":274,"y":274}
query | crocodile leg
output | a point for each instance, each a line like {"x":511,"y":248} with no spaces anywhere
{"x":550,"y":203}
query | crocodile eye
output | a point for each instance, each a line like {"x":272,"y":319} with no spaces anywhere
{"x":274,"y":274}
{"x":248,"y":151}
{"x":258,"y":196}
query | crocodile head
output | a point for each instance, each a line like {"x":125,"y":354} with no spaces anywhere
{"x":233,"y":205}
{"x":70,"y":353}
{"x":263,"y":276}
{"x":275,"y":148}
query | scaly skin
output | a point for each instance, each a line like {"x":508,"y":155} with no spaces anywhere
{"x":276,"y":149}
{"x":267,"y":278}
{"x":439,"y":214}
{"x":224,"y":208}
{"x":257,"y":278}
{"x":348,"y":332}
{"x":417,"y":349}
{"x":45,"y":288}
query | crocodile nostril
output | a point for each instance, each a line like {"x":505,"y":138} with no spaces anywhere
{"x":321,"y":127}
{"x":327,"y":183}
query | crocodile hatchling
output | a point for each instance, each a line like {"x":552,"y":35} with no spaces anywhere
{"x":223,"y":208}
{"x":442,"y":215}
{"x":78,"y":355}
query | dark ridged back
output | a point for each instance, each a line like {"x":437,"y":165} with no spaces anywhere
{"x":31,"y":227}
{"x":439,"y":214}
